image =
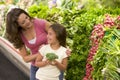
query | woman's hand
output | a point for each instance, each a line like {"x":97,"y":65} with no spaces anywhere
{"x":68,"y":51}
{"x":27,"y":57}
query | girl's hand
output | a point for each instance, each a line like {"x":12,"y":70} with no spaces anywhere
{"x":68,"y":51}
{"x":53,"y":63}
{"x":46,"y":62}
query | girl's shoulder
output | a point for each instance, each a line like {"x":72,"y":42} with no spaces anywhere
{"x":63,"y":48}
{"x":44,"y":46}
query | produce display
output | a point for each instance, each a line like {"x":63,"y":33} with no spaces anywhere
{"x":90,"y":34}
{"x":103,"y":58}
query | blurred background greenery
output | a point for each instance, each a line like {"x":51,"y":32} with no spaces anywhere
{"x":79,"y":18}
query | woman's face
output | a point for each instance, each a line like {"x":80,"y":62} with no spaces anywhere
{"x":24,"y":21}
{"x":51,"y":37}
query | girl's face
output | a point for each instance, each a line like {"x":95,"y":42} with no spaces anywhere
{"x":24,"y":21}
{"x":51,"y":37}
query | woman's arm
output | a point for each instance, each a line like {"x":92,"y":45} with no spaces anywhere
{"x":27,"y":57}
{"x":39,"y":62}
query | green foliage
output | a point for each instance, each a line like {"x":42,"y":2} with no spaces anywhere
{"x":69,"y":4}
{"x":111,"y":3}
{"x":51,"y":56}
{"x":102,"y":4}
{"x":1,"y":2}
{"x":82,"y":26}
{"x":39,"y":11}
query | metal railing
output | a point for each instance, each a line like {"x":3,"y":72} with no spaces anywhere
{"x":12,"y":54}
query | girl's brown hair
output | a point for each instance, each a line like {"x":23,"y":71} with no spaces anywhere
{"x":60,"y":33}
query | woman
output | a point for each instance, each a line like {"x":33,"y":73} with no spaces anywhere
{"x":25,"y":32}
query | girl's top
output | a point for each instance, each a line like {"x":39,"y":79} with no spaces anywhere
{"x":50,"y":72}
{"x":41,"y":37}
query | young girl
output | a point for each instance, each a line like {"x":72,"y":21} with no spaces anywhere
{"x":56,"y":44}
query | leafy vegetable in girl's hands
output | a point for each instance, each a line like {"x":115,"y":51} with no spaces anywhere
{"x":51,"y":56}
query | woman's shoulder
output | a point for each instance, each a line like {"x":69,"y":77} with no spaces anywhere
{"x":39,"y":23}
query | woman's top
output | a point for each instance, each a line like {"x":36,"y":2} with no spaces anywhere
{"x":32,"y":41}
{"x":50,"y":72}
{"x":41,"y":37}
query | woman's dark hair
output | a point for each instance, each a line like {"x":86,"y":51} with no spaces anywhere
{"x":13,"y":29}
{"x":60,"y":33}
